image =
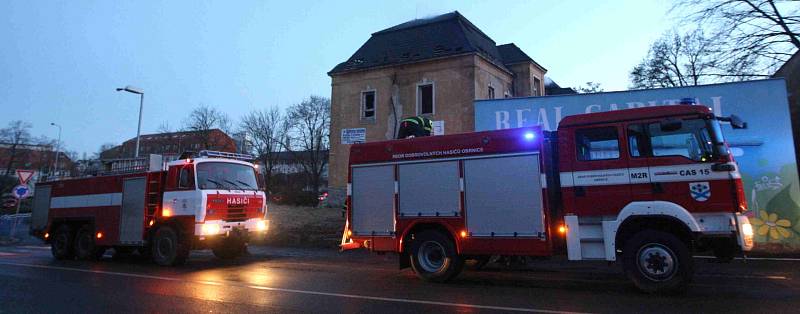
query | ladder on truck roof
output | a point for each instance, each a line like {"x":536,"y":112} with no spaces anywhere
{"x":217,"y":154}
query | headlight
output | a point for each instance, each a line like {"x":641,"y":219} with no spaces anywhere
{"x":210,"y":229}
{"x":261,"y":225}
{"x":747,"y":229}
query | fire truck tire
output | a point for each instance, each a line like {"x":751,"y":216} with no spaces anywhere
{"x":230,"y":250}
{"x":167,"y":247}
{"x":658,"y":262}
{"x":434,"y":257}
{"x":85,"y":248}
{"x":61,"y":244}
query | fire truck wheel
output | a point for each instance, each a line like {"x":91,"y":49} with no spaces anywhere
{"x":229,"y":249}
{"x":61,"y":244}
{"x":85,"y":249}
{"x":434,"y":257}
{"x":167,"y":249}
{"x":657,"y":262}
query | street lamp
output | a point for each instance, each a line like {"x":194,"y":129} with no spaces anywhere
{"x":58,"y":146}
{"x":136,"y":90}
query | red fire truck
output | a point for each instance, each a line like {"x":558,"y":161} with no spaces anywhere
{"x":161,"y":209}
{"x":645,"y":186}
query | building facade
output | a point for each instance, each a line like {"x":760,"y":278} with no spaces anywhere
{"x":171,"y":145}
{"x":432,"y":67}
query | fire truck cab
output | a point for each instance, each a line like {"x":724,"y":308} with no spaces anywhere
{"x":646,"y":187}
{"x":163,"y":210}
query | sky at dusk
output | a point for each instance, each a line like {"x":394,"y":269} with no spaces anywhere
{"x":61,"y":61}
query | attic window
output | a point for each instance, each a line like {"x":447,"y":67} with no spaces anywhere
{"x":368,"y":104}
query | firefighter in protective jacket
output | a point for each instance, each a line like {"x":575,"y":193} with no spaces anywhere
{"x":414,"y":127}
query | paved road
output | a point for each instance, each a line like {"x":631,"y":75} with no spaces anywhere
{"x":320,"y":281}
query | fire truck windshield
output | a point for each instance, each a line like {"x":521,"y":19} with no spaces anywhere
{"x":696,"y":139}
{"x":225,"y":175}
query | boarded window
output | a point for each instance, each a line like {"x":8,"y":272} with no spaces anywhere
{"x":425,"y":99}
{"x":368,"y":104}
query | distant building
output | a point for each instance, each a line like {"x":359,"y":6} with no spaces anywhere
{"x":431,"y":67}
{"x":173,"y":144}
{"x":34,"y":157}
{"x":288,"y":171}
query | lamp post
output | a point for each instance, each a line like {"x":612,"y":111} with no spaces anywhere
{"x":140,"y":92}
{"x":58,"y":146}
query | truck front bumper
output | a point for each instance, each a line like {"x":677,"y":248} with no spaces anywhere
{"x":221,"y":228}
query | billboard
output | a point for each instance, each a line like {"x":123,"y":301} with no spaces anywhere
{"x":764,"y":151}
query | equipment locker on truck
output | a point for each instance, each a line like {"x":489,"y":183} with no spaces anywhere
{"x":211,"y":200}
{"x":646,"y":187}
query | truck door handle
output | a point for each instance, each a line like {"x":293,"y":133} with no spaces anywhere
{"x":657,"y":187}
{"x":580,"y":191}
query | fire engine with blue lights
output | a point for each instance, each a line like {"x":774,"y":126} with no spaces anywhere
{"x":646,"y":187}
{"x":209,"y":200}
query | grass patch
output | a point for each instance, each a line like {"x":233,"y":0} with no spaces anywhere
{"x":304,"y":226}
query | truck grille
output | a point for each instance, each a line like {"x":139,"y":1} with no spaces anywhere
{"x":236,"y":214}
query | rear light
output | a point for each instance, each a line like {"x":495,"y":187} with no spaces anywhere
{"x":99,"y":235}
{"x":562,"y":229}
{"x":741,"y":201}
{"x":46,"y":235}
{"x":166,"y":212}
{"x":463,"y":233}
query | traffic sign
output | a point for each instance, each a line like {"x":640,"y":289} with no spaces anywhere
{"x":21,"y":191}
{"x":24,"y":175}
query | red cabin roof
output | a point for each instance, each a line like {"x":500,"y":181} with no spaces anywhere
{"x":634,"y":114}
{"x":449,"y":146}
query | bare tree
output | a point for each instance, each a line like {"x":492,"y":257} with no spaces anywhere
{"x":590,"y":87}
{"x":164,"y":127}
{"x":103,"y":148}
{"x":17,"y":133}
{"x":203,"y":119}
{"x":308,"y":139}
{"x":757,"y":36}
{"x":266,"y":131}
{"x":677,"y":60}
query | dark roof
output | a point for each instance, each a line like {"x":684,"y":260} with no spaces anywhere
{"x":552,"y":88}
{"x":445,"y":35}
{"x":512,"y":54}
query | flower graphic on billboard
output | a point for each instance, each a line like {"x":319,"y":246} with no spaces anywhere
{"x":770,"y":224}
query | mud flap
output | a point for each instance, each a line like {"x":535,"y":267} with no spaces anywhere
{"x":404,"y":260}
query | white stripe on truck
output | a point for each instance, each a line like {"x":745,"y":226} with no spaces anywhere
{"x":617,"y":176}
{"x":87,"y":200}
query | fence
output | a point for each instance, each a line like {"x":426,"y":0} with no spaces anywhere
{"x":17,"y":226}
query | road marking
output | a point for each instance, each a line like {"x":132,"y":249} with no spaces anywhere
{"x":782,"y":259}
{"x":296,"y":291}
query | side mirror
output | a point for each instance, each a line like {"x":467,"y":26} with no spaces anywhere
{"x":670,"y":125}
{"x":737,"y":122}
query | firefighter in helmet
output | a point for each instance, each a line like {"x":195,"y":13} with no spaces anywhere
{"x":414,"y":127}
